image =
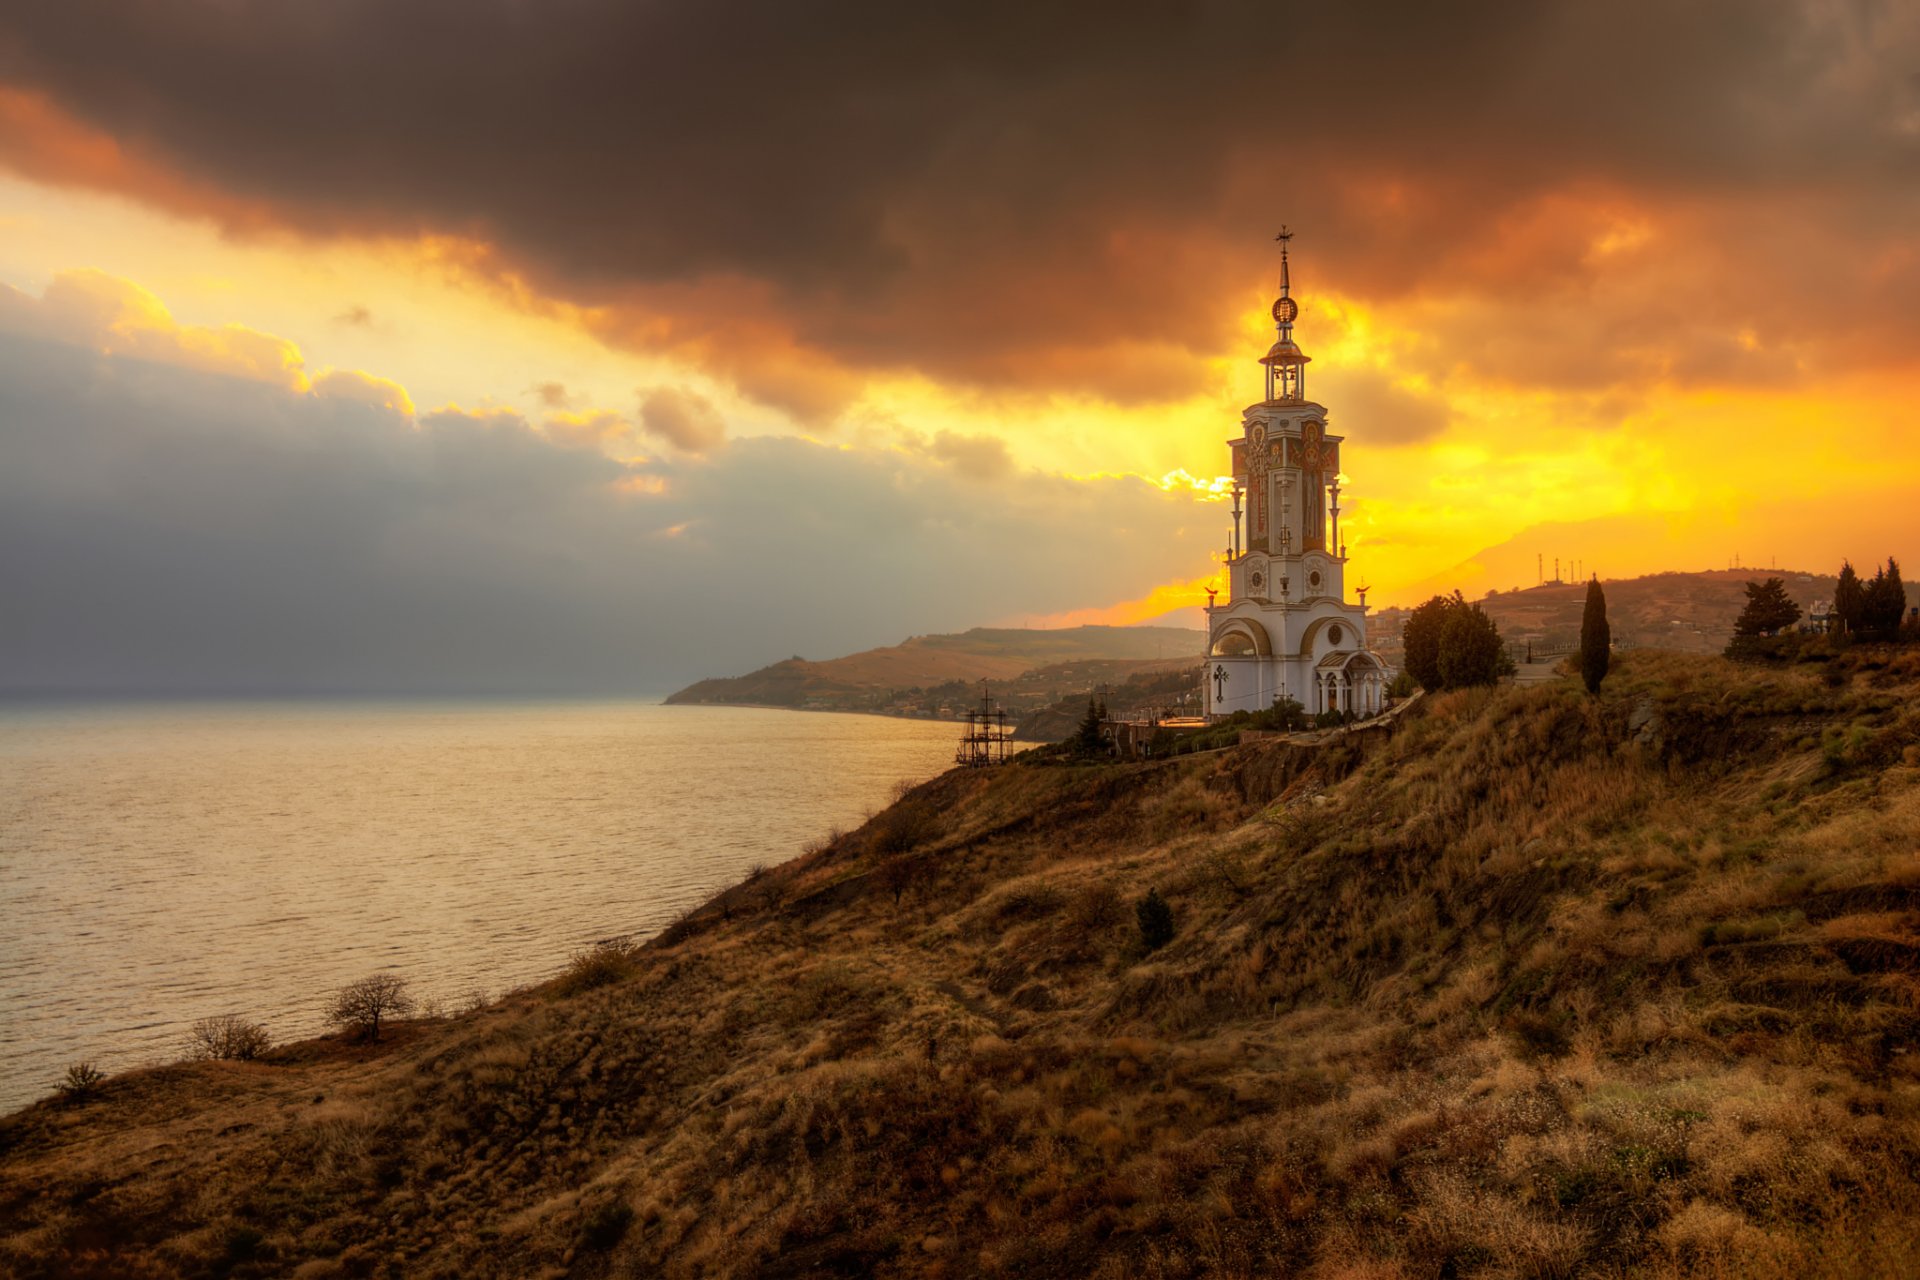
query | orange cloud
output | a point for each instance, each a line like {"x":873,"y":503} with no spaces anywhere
{"x":1168,"y":597}
{"x":40,"y":140}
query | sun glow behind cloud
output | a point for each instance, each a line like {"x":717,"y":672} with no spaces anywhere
{"x":1468,"y":422}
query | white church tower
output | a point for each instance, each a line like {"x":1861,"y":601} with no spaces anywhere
{"x":1286,"y":629}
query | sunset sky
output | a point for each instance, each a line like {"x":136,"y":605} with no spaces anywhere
{"x":395,"y":344}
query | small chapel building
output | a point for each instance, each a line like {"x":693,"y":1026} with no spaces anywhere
{"x":1286,"y":629}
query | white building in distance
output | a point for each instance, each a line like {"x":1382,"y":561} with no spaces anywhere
{"x":1286,"y":629}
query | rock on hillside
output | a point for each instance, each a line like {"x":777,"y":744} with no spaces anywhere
{"x":1527,"y":984}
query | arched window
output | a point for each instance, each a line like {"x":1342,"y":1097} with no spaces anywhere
{"x":1233,"y":644}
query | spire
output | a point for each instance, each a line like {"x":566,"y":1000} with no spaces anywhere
{"x":1286,"y":282}
{"x":1286,"y":363}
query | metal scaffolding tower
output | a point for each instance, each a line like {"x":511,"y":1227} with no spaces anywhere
{"x":985,"y":739}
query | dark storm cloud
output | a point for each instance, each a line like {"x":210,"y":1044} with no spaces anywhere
{"x":168,"y":530}
{"x":1047,"y":196}
{"x":990,"y":192}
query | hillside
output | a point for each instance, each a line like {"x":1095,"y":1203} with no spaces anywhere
{"x":1685,"y":612}
{"x":1524,"y":984}
{"x":926,"y":673}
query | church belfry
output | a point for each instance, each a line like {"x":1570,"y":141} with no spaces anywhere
{"x":1286,"y":363}
{"x":1285,"y":630}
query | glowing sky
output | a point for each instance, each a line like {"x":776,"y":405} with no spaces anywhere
{"x":979,"y":289}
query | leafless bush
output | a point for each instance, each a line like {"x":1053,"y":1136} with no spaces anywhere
{"x":902,"y":829}
{"x":82,"y":1082}
{"x":359,"y":1007}
{"x":227,"y":1038}
{"x":1095,"y":907}
{"x":899,"y":874}
{"x":771,"y":893}
{"x":605,"y":962}
{"x":1227,"y":870}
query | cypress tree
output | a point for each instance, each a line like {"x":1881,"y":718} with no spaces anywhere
{"x":1087,"y":741}
{"x":1596,"y":637}
{"x":1884,"y":601}
{"x":1849,"y":601}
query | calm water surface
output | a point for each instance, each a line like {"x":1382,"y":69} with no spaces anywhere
{"x":160,"y":863}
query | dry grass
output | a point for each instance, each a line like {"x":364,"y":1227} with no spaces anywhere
{"x":1536,"y":985}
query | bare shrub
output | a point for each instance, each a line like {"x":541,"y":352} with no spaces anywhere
{"x":770,"y":892}
{"x":82,"y":1081}
{"x":359,"y":1007}
{"x":1228,"y":870}
{"x":227,"y":1037}
{"x":607,"y":961}
{"x":901,"y":829}
{"x":898,"y":874}
{"x":1095,"y":907}
{"x":1026,"y":902}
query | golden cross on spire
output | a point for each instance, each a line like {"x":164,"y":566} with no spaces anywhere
{"x":1285,"y":235}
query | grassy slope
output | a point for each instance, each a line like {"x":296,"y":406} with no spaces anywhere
{"x":1533,"y":985}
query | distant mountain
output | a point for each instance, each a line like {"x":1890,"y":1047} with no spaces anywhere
{"x":924,"y":673}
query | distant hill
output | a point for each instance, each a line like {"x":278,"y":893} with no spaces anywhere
{"x":887,"y":678}
{"x":1688,"y":612}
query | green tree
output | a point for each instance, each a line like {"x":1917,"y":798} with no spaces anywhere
{"x":1155,"y":919}
{"x":1087,"y":740}
{"x":1885,"y":599}
{"x":1849,"y":601}
{"x":1596,"y":637}
{"x":1421,"y":639}
{"x":1450,"y":644}
{"x":1470,"y":648}
{"x":1768,"y":610}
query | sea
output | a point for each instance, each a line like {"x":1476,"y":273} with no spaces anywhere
{"x":166,"y":862}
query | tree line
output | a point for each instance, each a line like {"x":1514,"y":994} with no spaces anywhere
{"x":1869,"y":609}
{"x":1451,"y":643}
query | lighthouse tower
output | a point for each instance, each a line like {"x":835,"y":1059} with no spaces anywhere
{"x":1286,"y":629}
